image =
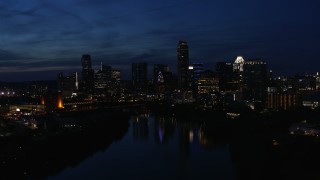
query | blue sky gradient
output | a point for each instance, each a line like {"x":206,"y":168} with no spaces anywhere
{"x":40,"y":38}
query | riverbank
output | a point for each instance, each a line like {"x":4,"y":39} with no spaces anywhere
{"x":58,"y":142}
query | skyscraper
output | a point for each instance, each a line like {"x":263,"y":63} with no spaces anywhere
{"x":255,"y":80}
{"x":87,"y":74}
{"x":86,"y":62}
{"x":116,"y":75}
{"x":208,"y":82}
{"x":67,"y":84}
{"x":226,"y":76}
{"x":159,"y":70}
{"x":194,"y":72}
{"x":139,"y":75}
{"x":238,"y":73}
{"x":183,"y":64}
{"x":102,"y":78}
{"x":238,"y":64}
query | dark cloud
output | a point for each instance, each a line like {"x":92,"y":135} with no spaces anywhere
{"x":7,"y":55}
{"x":65,"y":11}
{"x":7,"y":12}
{"x":145,"y":56}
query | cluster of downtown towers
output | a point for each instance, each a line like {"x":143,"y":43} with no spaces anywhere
{"x":241,"y":80}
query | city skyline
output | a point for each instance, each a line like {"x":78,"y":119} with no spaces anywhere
{"x":41,"y":39}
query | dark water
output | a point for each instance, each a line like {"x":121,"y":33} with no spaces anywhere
{"x":157,"y":148}
{"x":117,"y":145}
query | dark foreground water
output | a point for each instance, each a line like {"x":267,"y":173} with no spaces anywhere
{"x":119,"y":145}
{"x":157,"y":148}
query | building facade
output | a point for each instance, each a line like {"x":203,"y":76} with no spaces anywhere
{"x":183,"y":64}
{"x":101,"y":79}
{"x":255,"y":80}
{"x":87,"y":79}
{"x":140,"y":75}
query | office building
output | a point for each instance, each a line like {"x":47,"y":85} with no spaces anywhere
{"x":159,"y":71}
{"x":226,"y":76}
{"x":208,"y":82}
{"x":87,"y":79}
{"x":238,"y":64}
{"x":194,"y":72}
{"x":102,"y":78}
{"x":116,"y":75}
{"x":67,"y":85}
{"x":183,"y":65}
{"x":139,"y":75}
{"x":238,"y":73}
{"x":255,"y":80}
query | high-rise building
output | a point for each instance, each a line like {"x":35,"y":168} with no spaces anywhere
{"x":87,"y":74}
{"x":102,"y":78}
{"x":317,"y":76}
{"x":238,"y":73}
{"x":114,"y":88}
{"x":159,"y":71}
{"x":255,"y":80}
{"x":67,"y":85}
{"x":208,"y":90}
{"x":183,"y":64}
{"x":163,"y":79}
{"x":238,"y":64}
{"x":276,"y":101}
{"x":139,"y":74}
{"x":194,"y":72}
{"x":86,"y":62}
{"x":208,"y":82}
{"x":226,"y":76}
{"x":116,"y":75}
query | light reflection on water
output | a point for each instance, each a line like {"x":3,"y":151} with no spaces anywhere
{"x":158,"y":148}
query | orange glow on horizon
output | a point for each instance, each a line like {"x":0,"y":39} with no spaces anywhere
{"x":42,"y":101}
{"x":60,"y":103}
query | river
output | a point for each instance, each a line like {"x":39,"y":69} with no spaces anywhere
{"x":157,"y":148}
{"x":130,"y":145}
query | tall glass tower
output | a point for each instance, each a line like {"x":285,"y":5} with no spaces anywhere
{"x":139,"y":74}
{"x":183,"y":64}
{"x":87,"y":74}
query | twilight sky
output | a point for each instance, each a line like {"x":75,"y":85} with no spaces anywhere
{"x":39,"y":38}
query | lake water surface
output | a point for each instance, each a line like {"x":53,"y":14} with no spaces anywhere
{"x":157,"y":148}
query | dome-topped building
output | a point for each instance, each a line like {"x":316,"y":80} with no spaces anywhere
{"x":238,"y":64}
